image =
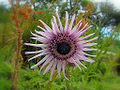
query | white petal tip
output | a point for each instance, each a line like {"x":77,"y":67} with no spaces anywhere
{"x":59,"y":76}
{"x":91,"y":26}
{"x":94,"y":55}
{"x":26,"y":53}
{"x":44,"y":73}
{"x":25,"y":44}
{"x":56,"y":13}
{"x":29,"y":60}
{"x":96,"y":37}
{"x":66,"y":12}
{"x":39,"y":20}
{"x":66,"y":78}
{"x":92,"y":61}
{"x":38,"y":26}
{"x":74,"y":15}
{"x":32,"y":67}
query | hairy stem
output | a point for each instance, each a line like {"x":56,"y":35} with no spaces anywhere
{"x":18,"y":46}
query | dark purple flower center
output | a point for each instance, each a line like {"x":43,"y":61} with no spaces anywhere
{"x":63,"y":47}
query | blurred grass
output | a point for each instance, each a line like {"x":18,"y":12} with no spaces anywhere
{"x":5,"y":67}
{"x":31,"y":80}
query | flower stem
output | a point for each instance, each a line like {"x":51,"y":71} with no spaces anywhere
{"x":18,"y":45}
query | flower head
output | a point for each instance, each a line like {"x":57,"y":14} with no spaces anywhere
{"x":61,"y":45}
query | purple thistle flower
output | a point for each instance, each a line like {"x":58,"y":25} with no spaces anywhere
{"x":61,"y":45}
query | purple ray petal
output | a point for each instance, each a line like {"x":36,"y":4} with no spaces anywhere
{"x":59,"y":68}
{"x":79,"y":26}
{"x":41,"y":61}
{"x":42,"y":39}
{"x":71,"y":23}
{"x":42,"y":28}
{"x":80,"y":33}
{"x":43,"y":53}
{"x":46,"y":62}
{"x":55,"y":23}
{"x":34,"y":52}
{"x":36,"y":35}
{"x":45,"y":34}
{"x":89,"y":40}
{"x":53,"y":27}
{"x":60,"y":24}
{"x":70,"y":60}
{"x":53,"y":68}
{"x":80,"y":45}
{"x":66,"y":22}
{"x":75,"y":27}
{"x":87,"y":54}
{"x":48,"y":67}
{"x":84,"y":27}
{"x":81,"y":38}
{"x":88,"y":49}
{"x":36,"y":45}
{"x":63,"y":69}
{"x":85,"y":58}
{"x":76,"y":63}
{"x":46,"y":26}
{"x":89,"y":44}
